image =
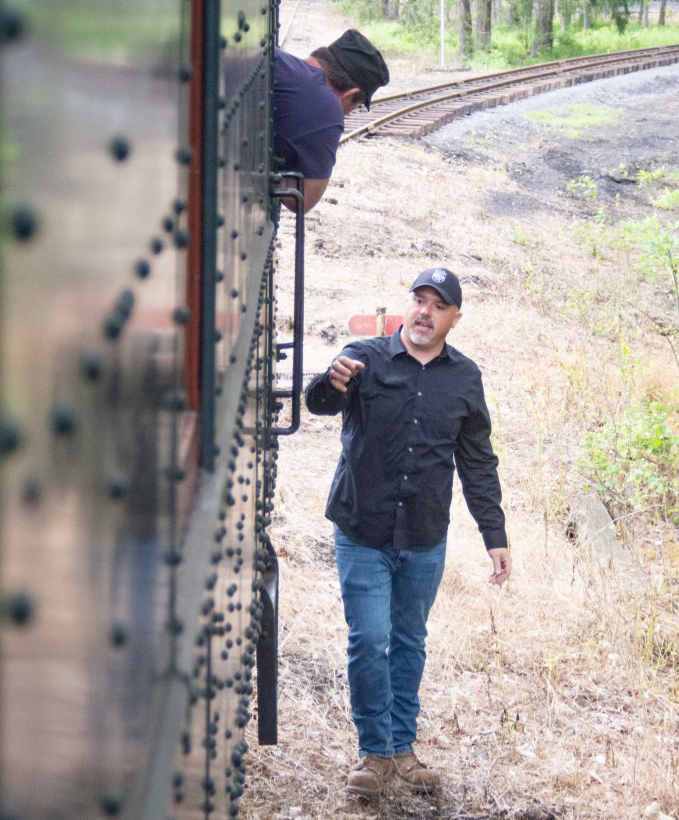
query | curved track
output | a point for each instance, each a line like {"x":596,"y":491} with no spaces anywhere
{"x":418,"y":112}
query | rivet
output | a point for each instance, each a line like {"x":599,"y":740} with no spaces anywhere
{"x":12,"y":24}
{"x":142,"y":268}
{"x":175,"y":474}
{"x":31,"y":493}
{"x":63,"y":418}
{"x":173,"y":558}
{"x":119,"y":635}
{"x":175,"y":626}
{"x":112,"y":326}
{"x":237,"y":37}
{"x":168,"y":224}
{"x":111,"y":803}
{"x":174,"y":400}
{"x":181,"y":239}
{"x":219,"y":276}
{"x":185,"y":73}
{"x":119,"y":148}
{"x":184,"y":154}
{"x":10,"y":436}
{"x":118,"y":486}
{"x":18,"y":608}
{"x":181,"y":315}
{"x":223,"y":42}
{"x":156,"y":245}
{"x":90,"y":365}
{"x":178,"y":206}
{"x":24,"y":223}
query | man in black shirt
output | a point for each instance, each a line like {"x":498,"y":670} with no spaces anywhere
{"x":413,"y":411}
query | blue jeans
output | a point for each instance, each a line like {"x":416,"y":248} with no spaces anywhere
{"x":387,"y":596}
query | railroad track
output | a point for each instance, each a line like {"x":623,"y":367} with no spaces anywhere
{"x":418,"y":112}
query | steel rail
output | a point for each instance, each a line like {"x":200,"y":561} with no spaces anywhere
{"x":477,"y":85}
{"x":568,"y":63}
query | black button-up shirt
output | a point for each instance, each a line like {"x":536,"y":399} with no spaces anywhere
{"x":406,"y":426}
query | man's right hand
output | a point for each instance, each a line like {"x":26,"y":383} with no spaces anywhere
{"x":342,"y":371}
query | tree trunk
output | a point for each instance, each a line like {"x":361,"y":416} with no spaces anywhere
{"x":544,"y":26}
{"x":644,"y":13}
{"x":564,"y":9}
{"x":585,"y":15}
{"x":465,"y":31}
{"x":390,"y":9}
{"x":661,"y":15}
{"x":484,"y":23}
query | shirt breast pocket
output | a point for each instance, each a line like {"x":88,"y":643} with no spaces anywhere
{"x":443,"y":416}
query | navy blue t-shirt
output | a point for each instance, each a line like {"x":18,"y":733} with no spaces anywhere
{"x":308,"y":118}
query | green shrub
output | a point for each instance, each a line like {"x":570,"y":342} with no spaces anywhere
{"x":633,"y":459}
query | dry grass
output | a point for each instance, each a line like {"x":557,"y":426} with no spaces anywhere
{"x":557,"y":695}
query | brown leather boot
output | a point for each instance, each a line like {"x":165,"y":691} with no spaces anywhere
{"x":369,"y":775}
{"x":415,"y":775}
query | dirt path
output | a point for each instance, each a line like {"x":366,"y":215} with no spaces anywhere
{"x":547,"y":698}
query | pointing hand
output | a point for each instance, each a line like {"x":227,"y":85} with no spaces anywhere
{"x":342,"y":370}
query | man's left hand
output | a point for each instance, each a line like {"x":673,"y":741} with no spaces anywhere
{"x":502,"y":565}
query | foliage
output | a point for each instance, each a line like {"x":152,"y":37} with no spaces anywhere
{"x":668,"y":200}
{"x":575,"y":119}
{"x":510,"y":45}
{"x":633,"y":459}
{"x":416,"y":29}
{"x":658,"y":243}
{"x":583,"y":186}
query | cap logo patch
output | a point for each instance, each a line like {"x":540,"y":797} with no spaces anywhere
{"x":438,"y":276}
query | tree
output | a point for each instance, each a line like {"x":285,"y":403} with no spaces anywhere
{"x":661,"y":15}
{"x":643,"y":13}
{"x":544,"y":26}
{"x":585,"y":15}
{"x":465,"y":31}
{"x":484,"y":24}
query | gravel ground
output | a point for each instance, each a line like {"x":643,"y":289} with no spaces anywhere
{"x":642,"y":133}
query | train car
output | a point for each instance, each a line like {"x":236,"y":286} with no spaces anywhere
{"x":138,"y":585}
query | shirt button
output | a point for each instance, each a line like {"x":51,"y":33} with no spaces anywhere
{"x":419,"y":393}
{"x":405,"y":477}
{"x":410,"y":449}
{"x":414,"y":421}
{"x":400,"y":503}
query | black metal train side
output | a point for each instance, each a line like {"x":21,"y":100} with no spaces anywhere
{"x":137,"y":446}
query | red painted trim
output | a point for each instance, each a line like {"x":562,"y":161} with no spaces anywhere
{"x":193,"y":260}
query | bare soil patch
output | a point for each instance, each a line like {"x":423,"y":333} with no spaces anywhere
{"x":553,"y":697}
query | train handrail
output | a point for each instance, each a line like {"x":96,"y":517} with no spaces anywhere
{"x":297,"y":344}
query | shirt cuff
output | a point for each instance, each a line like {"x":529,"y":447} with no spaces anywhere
{"x":495,"y":539}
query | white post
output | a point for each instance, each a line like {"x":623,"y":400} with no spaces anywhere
{"x":443,"y":33}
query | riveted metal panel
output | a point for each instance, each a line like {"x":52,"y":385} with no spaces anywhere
{"x":237,"y":320}
{"x":94,"y":159}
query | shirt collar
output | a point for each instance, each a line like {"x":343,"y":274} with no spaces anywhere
{"x":396,"y":347}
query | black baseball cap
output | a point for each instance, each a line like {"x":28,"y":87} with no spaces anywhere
{"x":442,"y":280}
{"x":362,"y":62}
